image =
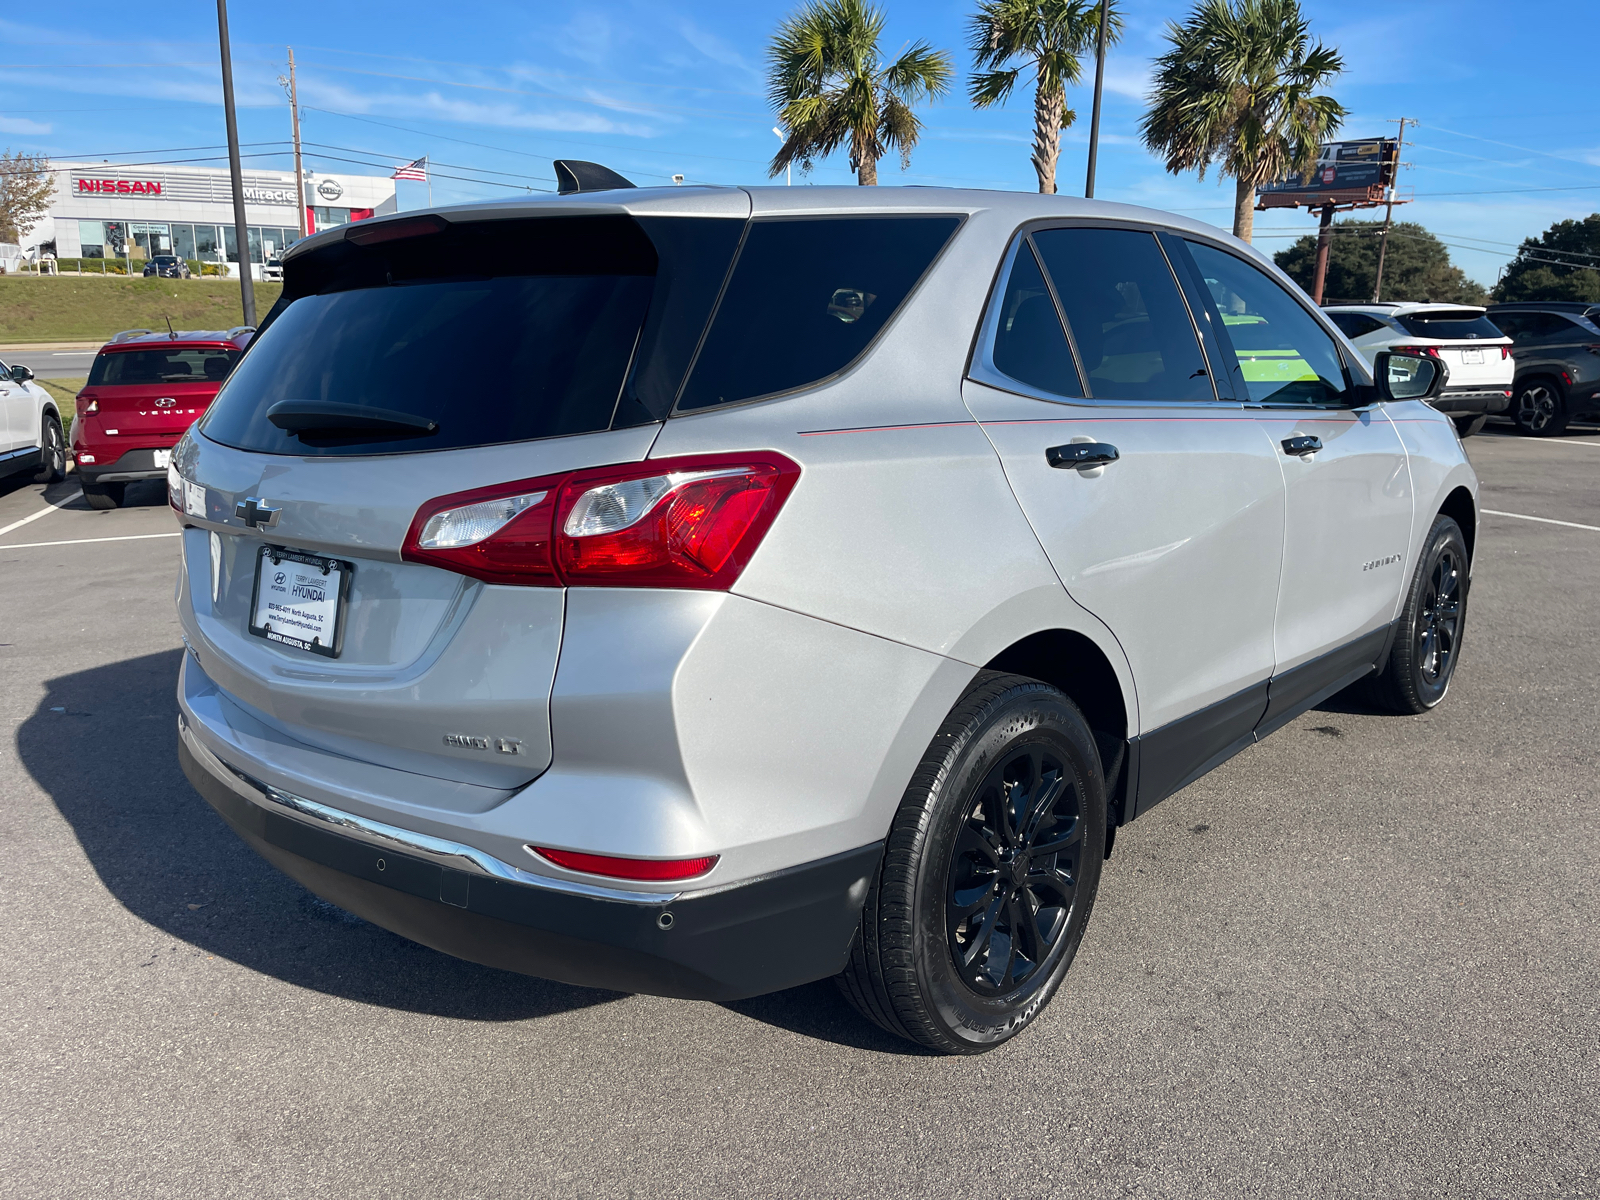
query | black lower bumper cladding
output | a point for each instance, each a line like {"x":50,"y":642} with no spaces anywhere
{"x":780,"y":931}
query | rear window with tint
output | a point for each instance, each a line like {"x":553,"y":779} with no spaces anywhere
{"x":128,"y":367}
{"x":496,"y":331}
{"x":807,"y":296}
{"x":1449,"y":323}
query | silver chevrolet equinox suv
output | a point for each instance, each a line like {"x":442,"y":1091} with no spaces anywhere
{"x":704,"y":591}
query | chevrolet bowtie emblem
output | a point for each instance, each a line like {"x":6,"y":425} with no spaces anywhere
{"x":256,"y":513}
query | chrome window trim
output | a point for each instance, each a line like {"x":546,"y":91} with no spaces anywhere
{"x":439,"y":851}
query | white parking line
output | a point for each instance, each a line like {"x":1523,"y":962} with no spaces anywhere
{"x":139,"y":537}
{"x":43,"y":512}
{"x":1512,"y":437}
{"x":1489,"y":512}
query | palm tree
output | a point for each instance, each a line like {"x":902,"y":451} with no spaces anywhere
{"x":1049,"y":35}
{"x":826,"y":79}
{"x":1236,"y":89}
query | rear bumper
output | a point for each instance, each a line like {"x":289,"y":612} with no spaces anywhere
{"x":138,"y":463}
{"x":763,"y":935}
{"x":1473,"y":400}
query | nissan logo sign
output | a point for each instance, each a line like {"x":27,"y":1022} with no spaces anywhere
{"x":329,"y":189}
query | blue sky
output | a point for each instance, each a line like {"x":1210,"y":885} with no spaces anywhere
{"x":492,"y":92}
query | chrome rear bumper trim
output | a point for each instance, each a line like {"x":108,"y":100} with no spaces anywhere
{"x":437,"y":850}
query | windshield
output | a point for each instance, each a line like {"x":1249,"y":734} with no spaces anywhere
{"x":1449,"y":323}
{"x":126,"y":367}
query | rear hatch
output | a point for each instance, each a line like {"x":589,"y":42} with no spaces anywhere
{"x":1468,"y":342}
{"x":149,"y":394}
{"x":438,"y":356}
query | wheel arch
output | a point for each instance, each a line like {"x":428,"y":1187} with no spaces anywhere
{"x":1072,"y":662}
{"x":1460,"y":507}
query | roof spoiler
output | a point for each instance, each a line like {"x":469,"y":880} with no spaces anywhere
{"x":127,"y":335}
{"x":575,"y":175}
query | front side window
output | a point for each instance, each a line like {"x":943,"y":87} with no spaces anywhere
{"x":1132,"y":328}
{"x":805,"y":300}
{"x":1285,"y":356}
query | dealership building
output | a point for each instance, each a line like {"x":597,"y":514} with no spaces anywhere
{"x":131,"y":211}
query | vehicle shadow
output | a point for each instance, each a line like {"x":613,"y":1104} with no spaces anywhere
{"x":818,"y":1011}
{"x":102,"y":744}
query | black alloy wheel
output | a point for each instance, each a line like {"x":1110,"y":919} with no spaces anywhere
{"x":53,"y":453}
{"x":1427,"y":642}
{"x":989,"y":872}
{"x":1540,"y":407}
{"x":1014,"y":872}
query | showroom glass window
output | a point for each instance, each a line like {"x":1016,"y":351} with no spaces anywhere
{"x":1286,"y":357}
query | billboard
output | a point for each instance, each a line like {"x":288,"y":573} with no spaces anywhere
{"x":1345,"y":173}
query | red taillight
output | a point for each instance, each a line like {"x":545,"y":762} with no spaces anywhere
{"x":1505,"y":353}
{"x":86,"y":404}
{"x":688,"y":522}
{"x":1430,"y":351}
{"x":628,"y":868}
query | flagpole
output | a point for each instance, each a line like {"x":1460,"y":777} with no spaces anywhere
{"x":426,"y":175}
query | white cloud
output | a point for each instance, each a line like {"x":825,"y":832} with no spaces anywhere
{"x":21,"y":125}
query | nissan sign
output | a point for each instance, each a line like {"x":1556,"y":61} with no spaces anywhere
{"x":329,"y":189}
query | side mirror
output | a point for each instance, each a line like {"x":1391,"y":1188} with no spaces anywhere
{"x":21,"y":374}
{"x":1404,"y":376}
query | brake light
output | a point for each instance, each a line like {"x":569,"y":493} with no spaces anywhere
{"x":628,"y":868}
{"x":87,"y":406}
{"x":688,"y":522}
{"x":1429,"y":351}
{"x":1505,"y":353}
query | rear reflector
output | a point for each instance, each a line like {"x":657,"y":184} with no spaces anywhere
{"x":628,"y":868}
{"x":692,"y":522}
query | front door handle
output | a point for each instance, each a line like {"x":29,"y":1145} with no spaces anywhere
{"x":1302,"y":445}
{"x":1076,"y":455}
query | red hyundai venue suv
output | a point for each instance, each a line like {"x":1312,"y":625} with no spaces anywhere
{"x":144,"y":390}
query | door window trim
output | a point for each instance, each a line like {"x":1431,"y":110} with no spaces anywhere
{"x":980,"y":364}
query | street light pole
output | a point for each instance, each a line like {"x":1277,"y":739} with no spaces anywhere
{"x":236,"y":173}
{"x":1099,"y":82}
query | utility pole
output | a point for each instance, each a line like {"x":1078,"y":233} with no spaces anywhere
{"x":1099,"y":82}
{"x":236,"y":173}
{"x":294,"y":123}
{"x":1388,"y":212}
{"x":1324,"y":238}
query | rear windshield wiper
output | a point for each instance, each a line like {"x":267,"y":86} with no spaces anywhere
{"x":324,"y":418}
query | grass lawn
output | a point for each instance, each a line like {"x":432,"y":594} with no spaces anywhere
{"x":65,"y":308}
{"x":64,"y":392}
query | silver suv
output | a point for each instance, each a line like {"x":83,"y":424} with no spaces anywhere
{"x":806,"y":582}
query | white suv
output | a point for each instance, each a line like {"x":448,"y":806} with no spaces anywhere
{"x":816,"y":580}
{"x":1476,"y":354}
{"x":30,"y":427}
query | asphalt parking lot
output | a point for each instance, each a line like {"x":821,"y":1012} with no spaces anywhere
{"x":1362,"y":958}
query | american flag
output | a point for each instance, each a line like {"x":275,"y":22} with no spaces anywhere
{"x":417,"y":170}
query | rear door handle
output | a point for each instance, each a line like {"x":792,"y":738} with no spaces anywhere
{"x":1081,"y":454}
{"x":1302,"y":445}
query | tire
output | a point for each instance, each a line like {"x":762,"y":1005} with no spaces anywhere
{"x":1539,"y":407}
{"x":1467,"y":426}
{"x":936,"y":958}
{"x":53,"y":448}
{"x":1427,"y":643}
{"x":104,"y":495}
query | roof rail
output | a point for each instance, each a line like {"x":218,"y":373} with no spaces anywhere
{"x":127,"y":335}
{"x":238,"y":329}
{"x":575,"y":175}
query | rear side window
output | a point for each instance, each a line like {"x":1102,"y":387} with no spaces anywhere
{"x":1356,"y":325}
{"x":1029,"y":345}
{"x":161,"y":366}
{"x":1127,"y":317}
{"x":806,"y":298}
{"x":1449,"y":323}
{"x":1286,"y":357}
{"x":538,"y":345}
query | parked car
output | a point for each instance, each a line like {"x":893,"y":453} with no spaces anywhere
{"x":167,"y":266}
{"x":272,"y":270}
{"x":145,"y":389}
{"x":1475,"y":352}
{"x":30,"y":427}
{"x":815,"y":581}
{"x":1557,"y":354}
